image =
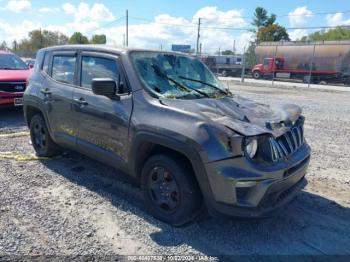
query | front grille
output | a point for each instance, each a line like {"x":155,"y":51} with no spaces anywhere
{"x":12,"y":87}
{"x":287,"y":144}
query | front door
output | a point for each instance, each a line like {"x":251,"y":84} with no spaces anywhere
{"x":103,"y":122}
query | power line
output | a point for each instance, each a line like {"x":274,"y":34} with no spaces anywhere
{"x":110,"y":23}
{"x":251,"y":17}
{"x":195,"y":25}
{"x":289,"y":15}
{"x":192,"y":25}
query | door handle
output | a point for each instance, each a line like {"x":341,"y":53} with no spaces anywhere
{"x":81,"y":101}
{"x":46,"y":91}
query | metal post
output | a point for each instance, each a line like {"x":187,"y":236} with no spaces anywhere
{"x":243,"y":66}
{"x":312,"y":61}
{"x":198,"y":35}
{"x":127,"y":28}
{"x":274,"y":66}
{"x":41,"y":39}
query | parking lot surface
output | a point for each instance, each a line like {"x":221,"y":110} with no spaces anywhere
{"x":72,"y":205}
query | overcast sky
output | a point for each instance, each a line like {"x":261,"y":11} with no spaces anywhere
{"x":151,"y":21}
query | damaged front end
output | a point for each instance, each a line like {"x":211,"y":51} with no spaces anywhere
{"x":255,"y":156}
{"x":271,"y":168}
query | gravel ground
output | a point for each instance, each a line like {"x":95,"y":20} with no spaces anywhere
{"x":72,"y":205}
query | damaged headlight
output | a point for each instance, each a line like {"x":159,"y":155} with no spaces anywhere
{"x":250,"y":147}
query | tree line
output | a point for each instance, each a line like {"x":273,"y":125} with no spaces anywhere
{"x":38,"y":39}
{"x":265,"y":29}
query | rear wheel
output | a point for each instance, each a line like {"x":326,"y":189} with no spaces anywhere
{"x":256,"y":74}
{"x":41,"y":139}
{"x":170,"y":191}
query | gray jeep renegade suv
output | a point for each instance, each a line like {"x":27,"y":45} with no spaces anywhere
{"x":166,"y":120}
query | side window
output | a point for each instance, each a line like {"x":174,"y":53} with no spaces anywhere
{"x":63,"y":68}
{"x":97,"y":67}
{"x":45,"y":67}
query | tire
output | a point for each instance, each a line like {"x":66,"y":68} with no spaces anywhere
{"x":170,"y":191}
{"x":41,"y":139}
{"x":256,"y":74}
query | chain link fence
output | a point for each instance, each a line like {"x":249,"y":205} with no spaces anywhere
{"x":302,"y":63}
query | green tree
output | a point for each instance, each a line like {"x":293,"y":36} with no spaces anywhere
{"x":3,"y":46}
{"x":273,"y":32}
{"x":339,"y":33}
{"x":78,"y":38}
{"x":266,"y":28}
{"x":250,"y":57}
{"x":227,"y":52}
{"x":262,"y":19}
{"x":14,"y":45}
{"x":99,"y":39}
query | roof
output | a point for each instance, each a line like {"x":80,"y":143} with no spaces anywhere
{"x":107,"y":48}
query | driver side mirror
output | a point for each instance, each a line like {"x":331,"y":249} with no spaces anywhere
{"x":104,"y":87}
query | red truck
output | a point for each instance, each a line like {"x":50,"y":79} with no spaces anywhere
{"x":275,"y":67}
{"x":13,"y":76}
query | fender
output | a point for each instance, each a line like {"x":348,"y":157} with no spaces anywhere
{"x":36,"y":103}
{"x":176,"y":145}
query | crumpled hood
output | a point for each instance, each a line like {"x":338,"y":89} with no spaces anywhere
{"x":244,"y":116}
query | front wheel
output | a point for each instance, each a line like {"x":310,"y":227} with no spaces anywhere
{"x":170,"y":191}
{"x":256,"y":74}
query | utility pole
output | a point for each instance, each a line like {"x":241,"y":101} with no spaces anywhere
{"x":243,"y":65}
{"x":127,"y":28}
{"x":198,"y":35}
{"x":41,"y":39}
{"x":234,"y":47}
{"x":200,"y":49}
{"x":123,"y":39}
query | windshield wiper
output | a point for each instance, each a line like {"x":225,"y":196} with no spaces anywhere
{"x":159,"y":72}
{"x":205,"y":83}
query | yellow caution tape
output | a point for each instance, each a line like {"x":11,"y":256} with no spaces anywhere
{"x":11,"y":135}
{"x":20,"y":157}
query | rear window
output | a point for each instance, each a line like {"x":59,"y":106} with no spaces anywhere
{"x":63,"y":69}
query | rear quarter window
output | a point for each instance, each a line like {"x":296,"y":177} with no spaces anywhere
{"x":46,"y":63}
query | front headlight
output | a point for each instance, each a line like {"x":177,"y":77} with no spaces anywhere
{"x":250,"y":147}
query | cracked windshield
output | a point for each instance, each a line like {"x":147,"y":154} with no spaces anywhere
{"x":175,"y":76}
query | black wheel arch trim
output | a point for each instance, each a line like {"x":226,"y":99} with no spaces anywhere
{"x":32,"y":102}
{"x":179,"y":146}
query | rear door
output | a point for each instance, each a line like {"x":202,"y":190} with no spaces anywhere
{"x":103,"y":122}
{"x":58,"y":96}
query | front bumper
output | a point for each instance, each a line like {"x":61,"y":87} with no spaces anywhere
{"x":243,"y":189}
{"x":8,"y":98}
